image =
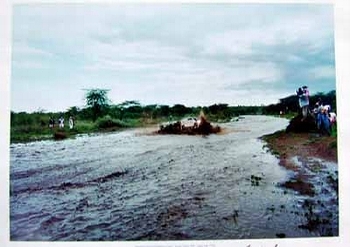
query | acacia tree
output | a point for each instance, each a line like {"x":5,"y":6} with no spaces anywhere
{"x":98,"y":101}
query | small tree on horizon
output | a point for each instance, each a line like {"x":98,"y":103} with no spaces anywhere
{"x":98,"y":101}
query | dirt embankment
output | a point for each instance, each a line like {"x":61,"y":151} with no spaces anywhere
{"x":287,"y":145}
{"x":311,"y":156}
{"x":305,"y":146}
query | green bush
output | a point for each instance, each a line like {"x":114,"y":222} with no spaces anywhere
{"x":334,"y":131}
{"x":83,"y":126}
{"x":107,"y":122}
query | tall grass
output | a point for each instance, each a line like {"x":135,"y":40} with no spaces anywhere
{"x":33,"y":131}
{"x":334,"y":131}
{"x":107,"y":122}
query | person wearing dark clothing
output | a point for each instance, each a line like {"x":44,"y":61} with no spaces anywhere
{"x":303,"y":94}
{"x":51,"y":123}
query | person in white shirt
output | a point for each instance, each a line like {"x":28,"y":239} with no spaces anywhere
{"x":71,"y":122}
{"x":61,"y":122}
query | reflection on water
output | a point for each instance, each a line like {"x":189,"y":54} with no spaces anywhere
{"x":134,"y":186}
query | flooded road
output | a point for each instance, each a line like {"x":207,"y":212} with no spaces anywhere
{"x":132,"y":185}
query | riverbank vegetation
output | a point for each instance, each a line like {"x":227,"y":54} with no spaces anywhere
{"x":100,"y":114}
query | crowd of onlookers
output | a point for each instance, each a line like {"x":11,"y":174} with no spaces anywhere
{"x":60,"y":122}
{"x":324,"y":117}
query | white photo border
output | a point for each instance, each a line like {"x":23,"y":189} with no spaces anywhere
{"x":342,"y":53}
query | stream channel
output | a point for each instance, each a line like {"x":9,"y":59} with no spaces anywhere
{"x":134,"y":185}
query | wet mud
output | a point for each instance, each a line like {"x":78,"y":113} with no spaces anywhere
{"x":318,"y":180}
{"x":312,"y":162}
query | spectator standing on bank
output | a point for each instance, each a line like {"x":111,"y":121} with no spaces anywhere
{"x":71,"y":122}
{"x":61,"y":122}
{"x":51,"y":123}
{"x":303,"y":94}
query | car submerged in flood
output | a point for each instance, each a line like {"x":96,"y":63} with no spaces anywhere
{"x":185,"y":123}
{"x":189,"y":126}
{"x":190,"y":122}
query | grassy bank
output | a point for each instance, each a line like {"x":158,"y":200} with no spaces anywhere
{"x":30,"y":133}
{"x":36,"y":132}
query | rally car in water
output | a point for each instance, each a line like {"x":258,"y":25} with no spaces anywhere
{"x":190,"y":122}
{"x":185,"y":123}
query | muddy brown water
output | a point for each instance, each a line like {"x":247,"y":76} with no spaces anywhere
{"x":132,"y":185}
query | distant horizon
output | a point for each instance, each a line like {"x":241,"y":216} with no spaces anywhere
{"x":170,"y":105}
{"x":166,"y":54}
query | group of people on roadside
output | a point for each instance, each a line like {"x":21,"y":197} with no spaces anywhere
{"x":60,"y":121}
{"x":324,"y":117}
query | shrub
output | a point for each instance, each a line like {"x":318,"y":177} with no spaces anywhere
{"x":84,"y":126}
{"x":107,"y":122}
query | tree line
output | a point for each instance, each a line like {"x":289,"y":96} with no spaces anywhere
{"x":99,"y":112}
{"x":290,"y":104}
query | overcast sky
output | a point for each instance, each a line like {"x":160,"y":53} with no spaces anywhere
{"x":192,"y":54}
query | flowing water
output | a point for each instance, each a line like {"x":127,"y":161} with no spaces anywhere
{"x":133,"y":185}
